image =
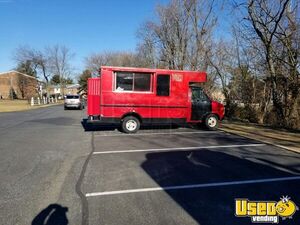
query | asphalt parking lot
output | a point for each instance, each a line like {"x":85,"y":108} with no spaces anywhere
{"x":53,"y":171}
{"x":183,"y":176}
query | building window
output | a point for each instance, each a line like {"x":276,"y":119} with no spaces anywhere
{"x":127,"y":81}
{"x":163,"y":85}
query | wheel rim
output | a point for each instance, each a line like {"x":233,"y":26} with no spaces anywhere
{"x":131,"y":125}
{"x":212,"y":121}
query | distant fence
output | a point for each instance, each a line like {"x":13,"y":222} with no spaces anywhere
{"x":42,"y":101}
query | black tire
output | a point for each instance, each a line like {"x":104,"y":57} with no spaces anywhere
{"x":65,"y":108}
{"x":130,"y":124}
{"x":211,"y":122}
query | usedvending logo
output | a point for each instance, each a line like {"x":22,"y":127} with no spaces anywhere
{"x":265,"y":211}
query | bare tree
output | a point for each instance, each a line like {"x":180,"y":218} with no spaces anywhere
{"x":146,"y":49}
{"x":37,"y":59}
{"x":203,"y":22}
{"x":94,"y":61}
{"x":127,"y":59}
{"x":45,"y":63}
{"x":265,"y":19}
{"x":221,"y":61}
{"x":59,"y":62}
{"x":276,"y":24}
{"x":180,"y":37}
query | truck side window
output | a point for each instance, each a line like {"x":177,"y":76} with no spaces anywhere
{"x":163,"y":85}
{"x":128,"y":81}
{"x":198,"y":95}
{"x":203,"y":96}
{"x":124,"y":81}
{"x":142,"y":81}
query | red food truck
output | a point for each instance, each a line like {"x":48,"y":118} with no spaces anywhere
{"x":134,"y":96}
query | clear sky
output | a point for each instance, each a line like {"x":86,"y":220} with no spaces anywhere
{"x":85,"y":26}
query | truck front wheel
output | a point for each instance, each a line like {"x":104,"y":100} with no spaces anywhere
{"x":130,"y":124}
{"x":212,"y":122}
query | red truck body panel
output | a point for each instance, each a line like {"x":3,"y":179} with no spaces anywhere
{"x":107,"y":102}
{"x":94,"y":93}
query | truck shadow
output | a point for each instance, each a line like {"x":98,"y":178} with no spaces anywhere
{"x":215,"y":203}
{"x":96,"y":127}
{"x":54,"y":214}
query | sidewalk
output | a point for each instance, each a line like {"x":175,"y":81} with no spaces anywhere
{"x":281,"y":138}
{"x":20,"y":105}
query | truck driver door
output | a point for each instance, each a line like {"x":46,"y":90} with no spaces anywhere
{"x":201,"y":104}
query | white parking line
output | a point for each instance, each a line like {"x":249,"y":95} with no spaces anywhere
{"x":193,"y":186}
{"x":161,"y":133}
{"x":178,"y":149}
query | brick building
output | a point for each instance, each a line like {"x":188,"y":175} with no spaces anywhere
{"x":18,"y":85}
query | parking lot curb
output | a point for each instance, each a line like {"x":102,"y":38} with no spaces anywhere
{"x":226,"y":130}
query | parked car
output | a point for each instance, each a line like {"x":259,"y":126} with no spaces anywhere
{"x":73,"y":101}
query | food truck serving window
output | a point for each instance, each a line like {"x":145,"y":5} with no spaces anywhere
{"x":128,"y":81}
{"x":163,"y":85}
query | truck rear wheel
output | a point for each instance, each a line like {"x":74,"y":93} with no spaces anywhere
{"x":130,"y":124}
{"x":212,"y":122}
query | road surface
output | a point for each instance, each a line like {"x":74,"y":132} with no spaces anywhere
{"x":52,"y":170}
